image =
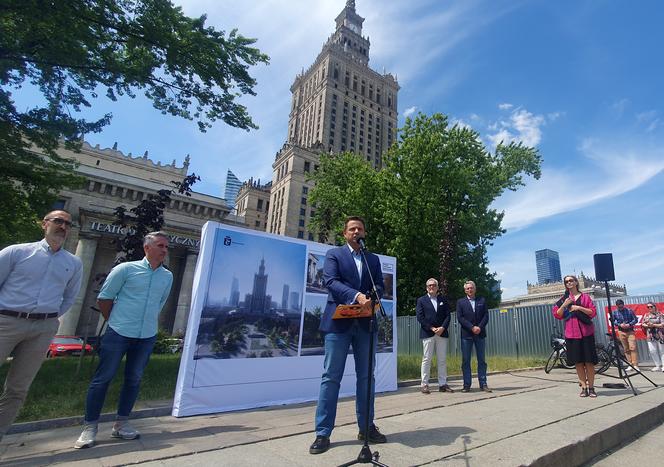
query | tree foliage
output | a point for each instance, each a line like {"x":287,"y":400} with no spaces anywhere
{"x":146,"y":217}
{"x":70,"y":52}
{"x":431,"y":206}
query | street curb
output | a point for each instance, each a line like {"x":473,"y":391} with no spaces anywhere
{"x":40,"y":425}
{"x":598,"y":443}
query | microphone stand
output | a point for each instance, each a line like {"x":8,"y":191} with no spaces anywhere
{"x":366,"y":456}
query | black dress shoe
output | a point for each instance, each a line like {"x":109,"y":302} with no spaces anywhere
{"x":485,"y":389}
{"x":465,"y":389}
{"x":445,"y":388}
{"x":375,"y":436}
{"x":319,"y":446}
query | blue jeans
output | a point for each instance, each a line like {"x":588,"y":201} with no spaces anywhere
{"x":336,"y":351}
{"x":113,"y":348}
{"x":466,"y":349}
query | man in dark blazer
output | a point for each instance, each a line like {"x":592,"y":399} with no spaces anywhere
{"x":473,"y":317}
{"x":433,"y":314}
{"x":347,"y":282}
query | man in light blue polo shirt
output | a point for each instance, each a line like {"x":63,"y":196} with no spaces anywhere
{"x":130,"y":299}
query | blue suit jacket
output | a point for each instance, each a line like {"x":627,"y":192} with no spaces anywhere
{"x":343,"y":283}
{"x":467,"y":318}
{"x":428,"y":317}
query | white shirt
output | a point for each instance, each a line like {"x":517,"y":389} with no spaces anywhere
{"x":36,"y":279}
{"x":357,"y":258}
{"x":472,"y":302}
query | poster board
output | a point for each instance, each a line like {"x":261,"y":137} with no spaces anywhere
{"x":252,"y":334}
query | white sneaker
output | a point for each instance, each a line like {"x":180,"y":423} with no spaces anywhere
{"x":124,"y":431}
{"x":87,"y":438}
{"x":636,"y":368}
{"x":655,"y":368}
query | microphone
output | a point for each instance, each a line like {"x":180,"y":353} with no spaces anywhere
{"x":360,"y":241}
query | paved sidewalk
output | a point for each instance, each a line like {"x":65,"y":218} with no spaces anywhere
{"x":531,"y":418}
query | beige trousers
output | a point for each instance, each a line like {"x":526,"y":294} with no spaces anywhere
{"x":628,"y":341}
{"x":29,"y":341}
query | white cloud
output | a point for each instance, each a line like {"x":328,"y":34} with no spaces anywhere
{"x":460,"y":123}
{"x":611,"y":168}
{"x":409,"y":111}
{"x":521,"y":126}
{"x":650,"y":119}
{"x":619,"y":106}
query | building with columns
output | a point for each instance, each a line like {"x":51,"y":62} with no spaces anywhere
{"x":253,"y":203}
{"x":549,"y":293}
{"x":114,"y":179}
{"x":338,"y":104}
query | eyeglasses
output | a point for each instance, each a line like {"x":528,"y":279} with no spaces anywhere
{"x":59,"y":221}
{"x":432,"y":285}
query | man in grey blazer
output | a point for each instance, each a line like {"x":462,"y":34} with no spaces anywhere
{"x":473,"y":316}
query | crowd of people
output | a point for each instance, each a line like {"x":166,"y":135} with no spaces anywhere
{"x":39,"y":282}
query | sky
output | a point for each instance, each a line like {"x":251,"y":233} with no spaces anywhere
{"x":579,"y":80}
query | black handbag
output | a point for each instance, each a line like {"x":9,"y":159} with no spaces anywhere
{"x":580,"y":315}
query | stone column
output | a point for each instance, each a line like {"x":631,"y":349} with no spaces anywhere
{"x":85,"y":250}
{"x":184,"y":298}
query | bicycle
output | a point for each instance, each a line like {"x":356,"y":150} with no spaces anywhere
{"x":558,"y":354}
{"x":606,"y":354}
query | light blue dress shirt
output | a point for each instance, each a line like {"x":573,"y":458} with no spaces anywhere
{"x":35,"y":279}
{"x":139,"y":293}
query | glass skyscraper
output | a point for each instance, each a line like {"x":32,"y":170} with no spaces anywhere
{"x":233,"y":185}
{"x":548,"y":266}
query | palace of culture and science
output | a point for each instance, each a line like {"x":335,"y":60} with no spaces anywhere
{"x":339,"y":104}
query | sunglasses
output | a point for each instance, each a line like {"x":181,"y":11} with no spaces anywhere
{"x":650,"y":306}
{"x":59,"y":221}
{"x":570,"y":281}
{"x":431,"y":285}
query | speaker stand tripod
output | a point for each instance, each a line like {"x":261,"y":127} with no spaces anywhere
{"x":619,"y":360}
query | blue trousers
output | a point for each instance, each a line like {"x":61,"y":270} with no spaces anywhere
{"x":467,"y":344}
{"x":113,"y":348}
{"x":336,"y":351}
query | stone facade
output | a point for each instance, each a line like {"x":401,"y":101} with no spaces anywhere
{"x":114,"y":179}
{"x":253,"y":203}
{"x":539,"y":294}
{"x":338,"y":104}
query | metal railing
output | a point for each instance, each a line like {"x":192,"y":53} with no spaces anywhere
{"x":517,"y":332}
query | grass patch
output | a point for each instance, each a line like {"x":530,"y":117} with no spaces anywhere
{"x":58,"y":392}
{"x":409,"y":366}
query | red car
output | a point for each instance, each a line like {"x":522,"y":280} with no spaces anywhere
{"x":67,"y":345}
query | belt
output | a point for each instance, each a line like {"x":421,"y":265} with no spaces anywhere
{"x":26,"y":315}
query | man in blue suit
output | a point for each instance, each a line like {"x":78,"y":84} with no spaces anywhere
{"x":347,"y":282}
{"x":473,"y":317}
{"x":433,"y":314}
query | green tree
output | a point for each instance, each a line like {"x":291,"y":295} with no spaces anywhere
{"x":146,"y":217}
{"x":70,"y":52}
{"x":345,"y":185}
{"x":431,"y":205}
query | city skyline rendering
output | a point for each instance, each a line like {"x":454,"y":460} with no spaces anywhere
{"x":578,"y":81}
{"x":234,"y":274}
